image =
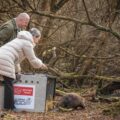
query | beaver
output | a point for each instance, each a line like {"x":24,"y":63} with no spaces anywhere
{"x":72,"y":100}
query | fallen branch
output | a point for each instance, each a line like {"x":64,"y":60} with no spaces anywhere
{"x":108,"y":99}
{"x":63,"y":84}
{"x":73,"y":76}
{"x":60,"y":93}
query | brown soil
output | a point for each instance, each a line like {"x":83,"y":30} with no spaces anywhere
{"x":93,"y":111}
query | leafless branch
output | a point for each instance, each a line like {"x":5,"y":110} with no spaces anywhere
{"x":99,"y":27}
{"x":92,"y":57}
{"x":86,"y":11}
{"x":20,"y":5}
{"x":61,"y":3}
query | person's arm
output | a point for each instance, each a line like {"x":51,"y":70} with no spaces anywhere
{"x":5,"y":34}
{"x":30,"y":55}
{"x":17,"y":68}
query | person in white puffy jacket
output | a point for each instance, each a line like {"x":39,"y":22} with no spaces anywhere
{"x":12,"y":54}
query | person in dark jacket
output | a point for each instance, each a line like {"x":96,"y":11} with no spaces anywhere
{"x":9,"y":30}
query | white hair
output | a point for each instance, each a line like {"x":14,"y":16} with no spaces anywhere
{"x":35,"y":32}
{"x":24,"y":16}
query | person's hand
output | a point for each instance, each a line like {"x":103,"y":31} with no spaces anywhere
{"x":44,"y":67}
{"x":18,"y":76}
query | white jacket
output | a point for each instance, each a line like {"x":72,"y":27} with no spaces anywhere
{"x":15,"y":51}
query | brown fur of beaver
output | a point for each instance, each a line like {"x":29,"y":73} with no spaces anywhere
{"x":72,"y":100}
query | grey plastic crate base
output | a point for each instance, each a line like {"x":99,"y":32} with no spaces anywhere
{"x":43,"y":88}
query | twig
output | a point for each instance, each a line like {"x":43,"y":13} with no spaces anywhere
{"x":91,"y":23}
{"x":92,"y":57}
{"x":86,"y":11}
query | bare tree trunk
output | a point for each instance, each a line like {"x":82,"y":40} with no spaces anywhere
{"x":88,"y":62}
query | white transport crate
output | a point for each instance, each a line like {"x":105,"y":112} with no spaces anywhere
{"x":32,"y":92}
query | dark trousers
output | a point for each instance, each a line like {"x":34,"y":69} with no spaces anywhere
{"x":8,"y":93}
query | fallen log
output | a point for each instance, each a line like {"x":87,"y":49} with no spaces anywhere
{"x":73,"y":76}
{"x":60,"y":93}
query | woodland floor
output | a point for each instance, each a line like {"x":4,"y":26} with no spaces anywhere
{"x":93,"y":111}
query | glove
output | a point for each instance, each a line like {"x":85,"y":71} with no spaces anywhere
{"x":18,"y":76}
